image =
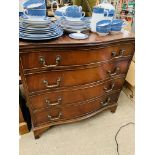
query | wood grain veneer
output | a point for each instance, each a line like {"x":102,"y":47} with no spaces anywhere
{"x":68,"y":80}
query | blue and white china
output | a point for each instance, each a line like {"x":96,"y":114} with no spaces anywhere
{"x":104,"y":23}
{"x":40,"y":38}
{"x":35,"y":4}
{"x":32,"y":13}
{"x":109,"y":7}
{"x":59,"y":12}
{"x":116,"y":29}
{"x":53,"y":35}
{"x":116,"y":26}
{"x":74,"y":26}
{"x":74,"y":13}
{"x":78,"y":36}
{"x":33,"y":8}
{"x":74,"y":9}
{"x":103,"y":11}
{"x":35,"y":19}
{"x":97,"y":15}
{"x":117,"y":22}
{"x":103,"y":27}
{"x":38,"y":28}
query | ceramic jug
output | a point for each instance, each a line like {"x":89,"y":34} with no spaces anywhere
{"x":98,"y":14}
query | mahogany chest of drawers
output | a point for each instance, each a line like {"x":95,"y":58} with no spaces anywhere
{"x":67,"y":80}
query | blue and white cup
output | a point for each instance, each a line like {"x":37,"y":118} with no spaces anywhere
{"x":74,"y":13}
{"x":35,"y":4}
{"x":116,"y":26}
{"x":103,"y":27}
{"x":35,"y":12}
{"x":117,"y":22}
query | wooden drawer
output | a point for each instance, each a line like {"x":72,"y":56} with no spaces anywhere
{"x":61,"y":79}
{"x":74,"y":111}
{"x":64,"y":97}
{"x":56,"y":59}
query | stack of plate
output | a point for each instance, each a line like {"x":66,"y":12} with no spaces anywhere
{"x":74,"y":26}
{"x":38,"y":28}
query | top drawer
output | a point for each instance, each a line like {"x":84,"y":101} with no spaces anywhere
{"x":46,"y":58}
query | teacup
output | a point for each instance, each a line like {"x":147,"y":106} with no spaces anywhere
{"x":117,"y":22}
{"x":74,"y":13}
{"x":35,"y":12}
{"x":35,"y":4}
{"x":103,"y":27}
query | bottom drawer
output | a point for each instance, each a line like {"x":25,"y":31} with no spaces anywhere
{"x":75,"y":110}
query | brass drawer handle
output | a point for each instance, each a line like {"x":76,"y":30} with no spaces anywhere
{"x":53,"y":104}
{"x":54,"y":85}
{"x":121,"y":53}
{"x":117,"y":69}
{"x":43,"y":62}
{"x":54,"y":118}
{"x":104,"y":103}
{"x":109,"y":90}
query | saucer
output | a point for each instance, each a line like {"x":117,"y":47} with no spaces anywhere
{"x":78,"y":36}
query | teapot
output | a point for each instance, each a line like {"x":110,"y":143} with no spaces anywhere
{"x":109,"y":7}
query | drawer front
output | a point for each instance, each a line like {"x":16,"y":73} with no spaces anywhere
{"x":61,"y":79}
{"x":74,"y":111}
{"x":61,"y":98}
{"x":54,"y":59}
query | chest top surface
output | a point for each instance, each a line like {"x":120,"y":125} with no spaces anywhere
{"x":65,"y":41}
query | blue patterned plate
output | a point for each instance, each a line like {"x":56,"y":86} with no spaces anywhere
{"x":41,"y":38}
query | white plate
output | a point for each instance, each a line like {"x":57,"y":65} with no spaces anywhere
{"x":78,"y":36}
